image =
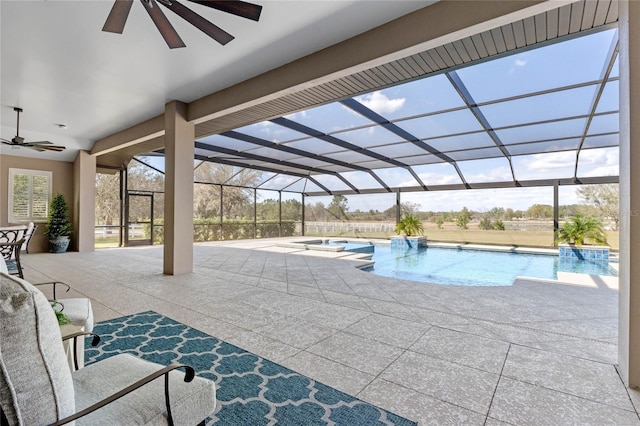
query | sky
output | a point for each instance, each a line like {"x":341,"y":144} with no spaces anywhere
{"x":423,"y":108}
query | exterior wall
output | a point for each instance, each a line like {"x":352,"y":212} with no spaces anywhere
{"x":62,"y":182}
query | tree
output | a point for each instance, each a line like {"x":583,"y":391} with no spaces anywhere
{"x":291,"y":209}
{"x":140,"y":177}
{"x":605,"y":198}
{"x":581,"y":228}
{"x":498,"y":225}
{"x":509,"y":214}
{"x":496,"y":213}
{"x":540,"y":211}
{"x":485,"y":224}
{"x":390,"y":213}
{"x":237,"y":195}
{"x":570,"y":210}
{"x":316,"y":212}
{"x":439,"y":221}
{"x":338,"y":207}
{"x":410,"y":225}
{"x":409,"y":208}
{"x":463,"y":218}
{"x":268,"y":210}
{"x":107,"y":199}
{"x":58,"y":224}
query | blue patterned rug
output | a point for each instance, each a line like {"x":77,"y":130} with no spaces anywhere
{"x":250,"y":390}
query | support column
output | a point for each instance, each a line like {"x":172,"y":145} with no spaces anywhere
{"x":556,"y":212}
{"x":629,"y":294}
{"x":302,"y":230}
{"x":84,"y":203}
{"x":178,"y":190}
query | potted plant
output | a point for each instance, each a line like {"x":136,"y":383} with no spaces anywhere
{"x":58,"y":226}
{"x":409,"y":228}
{"x":576,"y":232}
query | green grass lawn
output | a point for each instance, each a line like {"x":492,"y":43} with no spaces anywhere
{"x":522,"y":234}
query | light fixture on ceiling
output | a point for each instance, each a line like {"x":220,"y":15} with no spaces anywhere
{"x":62,"y":126}
{"x":120,"y":12}
{"x":19,"y":142}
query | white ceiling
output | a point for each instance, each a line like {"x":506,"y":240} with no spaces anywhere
{"x":59,"y":66}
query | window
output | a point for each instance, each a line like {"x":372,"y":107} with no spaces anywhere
{"x":29,"y":195}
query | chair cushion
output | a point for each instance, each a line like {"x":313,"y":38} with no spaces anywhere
{"x":12,"y":267}
{"x":35,"y":380}
{"x":191,"y":402}
{"x":78,"y":311}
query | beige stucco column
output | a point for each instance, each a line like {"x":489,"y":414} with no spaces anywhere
{"x":629,"y":298}
{"x":84,"y":201}
{"x":178,"y":190}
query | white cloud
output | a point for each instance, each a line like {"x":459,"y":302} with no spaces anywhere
{"x":270,"y":131}
{"x":295,"y":115}
{"x":439,"y":179}
{"x":496,"y":174}
{"x":556,"y":160}
{"x":380,"y":103}
{"x":519,"y":62}
{"x":599,"y":162}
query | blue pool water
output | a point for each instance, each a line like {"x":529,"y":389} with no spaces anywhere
{"x":475,"y":267}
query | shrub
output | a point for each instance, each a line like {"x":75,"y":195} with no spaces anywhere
{"x":498,"y":225}
{"x":410,"y":225}
{"x":485,"y":223}
{"x":581,"y":228}
{"x":59,"y":224}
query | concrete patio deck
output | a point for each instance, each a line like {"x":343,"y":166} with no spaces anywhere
{"x":534,"y":353}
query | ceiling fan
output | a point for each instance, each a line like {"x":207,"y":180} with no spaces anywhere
{"x":18,"y":142}
{"x":120,"y":11}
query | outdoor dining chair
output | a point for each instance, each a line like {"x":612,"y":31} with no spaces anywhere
{"x":11,"y":241}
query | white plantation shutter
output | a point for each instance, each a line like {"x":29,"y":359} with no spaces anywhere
{"x":29,"y":195}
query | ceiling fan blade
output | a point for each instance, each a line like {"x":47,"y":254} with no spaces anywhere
{"x":56,"y":148}
{"x":164,"y":26}
{"x":118,"y":16}
{"x":239,"y":8}
{"x":5,"y":141}
{"x":213,"y":31}
{"x":43,"y":146}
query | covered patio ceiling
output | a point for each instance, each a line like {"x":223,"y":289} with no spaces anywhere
{"x":467,"y":114}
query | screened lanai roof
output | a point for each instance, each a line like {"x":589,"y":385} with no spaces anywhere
{"x":530,"y":118}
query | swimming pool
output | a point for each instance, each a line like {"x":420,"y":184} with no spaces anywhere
{"x":475,"y":267}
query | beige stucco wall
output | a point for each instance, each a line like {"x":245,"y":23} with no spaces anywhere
{"x":62,"y":182}
{"x":84,"y":205}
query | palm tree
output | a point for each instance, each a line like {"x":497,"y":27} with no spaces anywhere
{"x":581,"y":228}
{"x":410,"y":225}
